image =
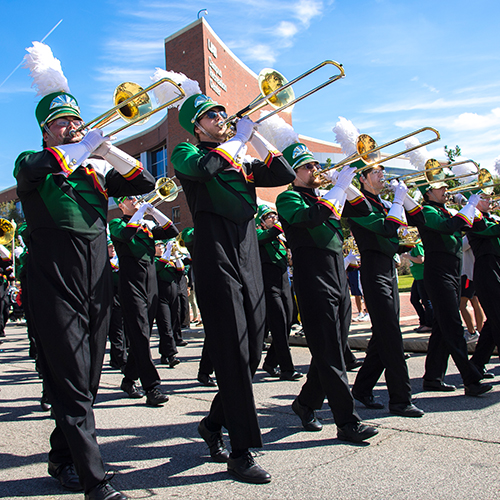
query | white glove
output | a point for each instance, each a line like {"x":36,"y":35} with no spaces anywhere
{"x":345,"y":177}
{"x":158,"y":216}
{"x":474,"y":199}
{"x":93,"y":139}
{"x":168,"y":251}
{"x":350,"y":259}
{"x":459,"y":199}
{"x":330,"y":175}
{"x":468,"y":212}
{"x":244,"y":129}
{"x":400,"y":192}
{"x":393,"y":184}
{"x":75,"y":154}
{"x":139,"y":215}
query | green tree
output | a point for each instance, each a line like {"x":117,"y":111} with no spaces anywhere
{"x":452,"y":153}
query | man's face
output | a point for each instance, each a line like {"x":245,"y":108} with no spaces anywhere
{"x":484,"y":204}
{"x":159,"y":249}
{"x":128,"y":205}
{"x":111,"y":251}
{"x":373,"y":181}
{"x":212,"y":123}
{"x":305,"y":175}
{"x":269,"y":220}
{"x":61,"y":129}
{"x":438,"y":195}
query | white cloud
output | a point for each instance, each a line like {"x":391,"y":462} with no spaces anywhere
{"x":286,"y":29}
{"x":305,"y":10}
{"x":260,"y":52}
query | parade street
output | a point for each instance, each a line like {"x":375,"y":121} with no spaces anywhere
{"x":451,"y":452}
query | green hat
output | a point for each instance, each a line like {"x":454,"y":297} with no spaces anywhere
{"x":359,"y":164}
{"x":423,"y":188}
{"x":262,"y":211}
{"x":298,"y":154}
{"x":119,"y":200}
{"x":193,"y":107}
{"x":55,"y":105}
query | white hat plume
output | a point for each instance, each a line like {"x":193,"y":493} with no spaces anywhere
{"x":346,"y":135}
{"x":167,"y":92}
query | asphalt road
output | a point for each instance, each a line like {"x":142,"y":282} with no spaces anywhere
{"x":451,"y":453}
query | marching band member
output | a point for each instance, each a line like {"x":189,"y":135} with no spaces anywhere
{"x":169,"y":269}
{"x":135,"y":246}
{"x":279,"y":305}
{"x":65,"y":200}
{"x":219,"y":182}
{"x":442,"y":240}
{"x":314,"y":235}
{"x":377,"y":241}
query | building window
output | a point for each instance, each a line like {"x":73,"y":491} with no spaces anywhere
{"x":159,"y":162}
{"x":176,"y":215}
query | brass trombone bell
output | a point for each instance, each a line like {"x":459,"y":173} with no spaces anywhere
{"x":484,"y":179}
{"x":369,"y":152}
{"x":165,"y":190}
{"x":7,"y":231}
{"x":133,"y":105}
{"x":432,"y":172}
{"x":277,"y":91}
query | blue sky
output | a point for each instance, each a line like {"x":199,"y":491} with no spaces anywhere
{"x":408,"y":64}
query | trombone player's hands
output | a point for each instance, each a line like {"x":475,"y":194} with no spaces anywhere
{"x":245,"y":129}
{"x":400,"y":192}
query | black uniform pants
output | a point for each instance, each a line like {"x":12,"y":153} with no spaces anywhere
{"x":487,"y":285}
{"x":139,"y":299}
{"x":442,"y":281}
{"x":385,"y":349}
{"x":183,"y":303}
{"x":167,"y":317}
{"x":117,"y":340}
{"x":279,"y":310}
{"x":69,"y":279}
{"x":320,"y":283}
{"x":230,"y":294}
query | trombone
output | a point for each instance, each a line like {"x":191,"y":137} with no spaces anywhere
{"x":484,"y":180}
{"x":165,"y":190}
{"x":369,"y":152}
{"x":7,"y":231}
{"x":277,"y":91}
{"x":133,"y":105}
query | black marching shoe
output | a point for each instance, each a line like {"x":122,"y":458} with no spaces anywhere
{"x":215,"y":442}
{"x":477,"y":389}
{"x":272,"y":370}
{"x":181,"y":343}
{"x":104,"y":491}
{"x":66,"y":475}
{"x":247,"y":470}
{"x":293,"y":375}
{"x":352,"y":366}
{"x":206,"y":380}
{"x":173,"y":361}
{"x":307,"y":416}
{"x":45,"y":403}
{"x":131,"y":389}
{"x":437,"y":386}
{"x":406,"y":410}
{"x":368,"y":401}
{"x":356,"y":432}
{"x":154,"y":397}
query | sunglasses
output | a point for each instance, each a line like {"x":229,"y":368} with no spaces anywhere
{"x":214,"y":114}
{"x":310,"y":166}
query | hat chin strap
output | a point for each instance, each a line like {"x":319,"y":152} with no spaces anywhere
{"x":49,"y":132}
{"x":197,"y":124}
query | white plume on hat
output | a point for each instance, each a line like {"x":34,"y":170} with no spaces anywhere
{"x":465,"y":168}
{"x":166,"y":92}
{"x":347,"y":135}
{"x":496,"y":166}
{"x":419,"y":156}
{"x":277,"y":131}
{"x":45,"y":70}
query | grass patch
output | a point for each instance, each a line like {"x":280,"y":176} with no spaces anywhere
{"x":405,"y":282}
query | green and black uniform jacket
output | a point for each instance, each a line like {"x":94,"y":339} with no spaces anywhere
{"x":377,"y":233}
{"x":213,"y":184}
{"x":308,"y":222}
{"x":166,"y":271}
{"x":484,"y":238}
{"x":271,"y":248}
{"x":77,"y":203}
{"x":138,"y":242}
{"x":442,"y":231}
